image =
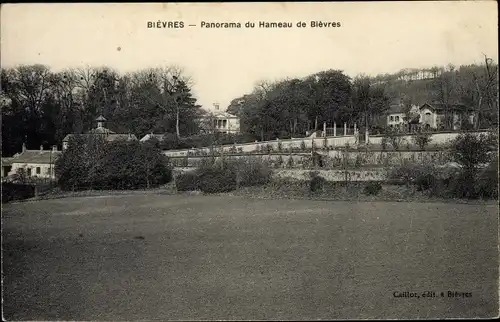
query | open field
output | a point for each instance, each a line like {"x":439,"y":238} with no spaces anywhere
{"x":149,"y":256}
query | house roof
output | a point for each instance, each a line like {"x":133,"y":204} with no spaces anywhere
{"x":224,"y":115}
{"x":7,"y":161}
{"x":100,"y":130}
{"x":35,"y":156}
{"x":440,"y":108}
{"x":152,"y":135}
{"x":110,"y":137}
{"x":100,"y":118}
{"x":396,"y":109}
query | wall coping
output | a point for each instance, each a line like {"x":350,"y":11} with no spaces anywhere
{"x":263,"y":142}
{"x":433,"y":133}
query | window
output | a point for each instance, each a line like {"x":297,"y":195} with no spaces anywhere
{"x":28,"y":171}
{"x":391,"y":118}
{"x":397,"y":118}
{"x":224,"y":123}
{"x":38,"y":170}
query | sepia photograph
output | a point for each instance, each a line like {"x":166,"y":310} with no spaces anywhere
{"x":249,"y":161}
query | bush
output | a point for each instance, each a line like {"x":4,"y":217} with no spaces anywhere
{"x":471,"y":151}
{"x":383,"y":143}
{"x":216,"y":179}
{"x":414,"y":174}
{"x":251,"y":172}
{"x":187,"y":181}
{"x":317,"y":182}
{"x":280,"y":146}
{"x":359,"y":161}
{"x":487,"y":183}
{"x":13,"y":191}
{"x":425,"y":180}
{"x":372,"y":188}
{"x":422,"y":139}
{"x":93,"y":163}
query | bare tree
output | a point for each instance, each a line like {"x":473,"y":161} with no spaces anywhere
{"x":484,"y":86}
{"x":33,"y":85}
{"x":165,"y":94}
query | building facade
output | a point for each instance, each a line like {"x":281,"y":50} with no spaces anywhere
{"x":32,"y":163}
{"x":109,"y":135}
{"x":430,"y":116}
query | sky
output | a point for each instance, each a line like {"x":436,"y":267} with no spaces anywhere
{"x":378,"y":37}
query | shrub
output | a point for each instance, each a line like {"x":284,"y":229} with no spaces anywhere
{"x":252,"y":172}
{"x":93,"y":163}
{"x":372,"y":188}
{"x":411,"y":174}
{"x":487,"y":183}
{"x":187,"y":181}
{"x":471,"y":151}
{"x":316,"y":182}
{"x":383,"y":143}
{"x":279,"y":161}
{"x":216,"y":179}
{"x":422,"y":139}
{"x":16,"y":191}
{"x":395,"y":141}
{"x":358,"y":162}
{"x":425,"y":180}
{"x":289,"y":162}
{"x":302,"y":145}
{"x":280,"y":146}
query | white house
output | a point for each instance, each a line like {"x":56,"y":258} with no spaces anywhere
{"x":150,"y":136}
{"x":433,"y":115}
{"x":429,"y":115}
{"x":219,"y":121}
{"x":225,"y":123}
{"x":396,"y":115}
{"x":36,"y":163}
{"x":102,"y":130}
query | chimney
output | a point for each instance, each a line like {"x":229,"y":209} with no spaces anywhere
{"x":24,"y":147}
{"x":216,"y":105}
{"x":54,"y":148}
{"x":41,"y":148}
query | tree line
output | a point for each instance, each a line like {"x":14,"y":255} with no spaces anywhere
{"x":40,"y":107}
{"x":290,"y":107}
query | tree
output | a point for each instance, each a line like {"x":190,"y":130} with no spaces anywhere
{"x":422,"y":139}
{"x":77,"y":167}
{"x":162,"y":99}
{"x":485,"y":89}
{"x":471,"y":152}
{"x":368,"y":101}
{"x":446,"y":92}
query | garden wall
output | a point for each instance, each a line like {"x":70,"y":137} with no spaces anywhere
{"x":334,"y":141}
{"x":442,"y":138}
{"x":330,"y":159}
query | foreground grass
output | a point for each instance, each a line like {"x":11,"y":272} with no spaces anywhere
{"x":151,"y":256}
{"x":285,"y":189}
